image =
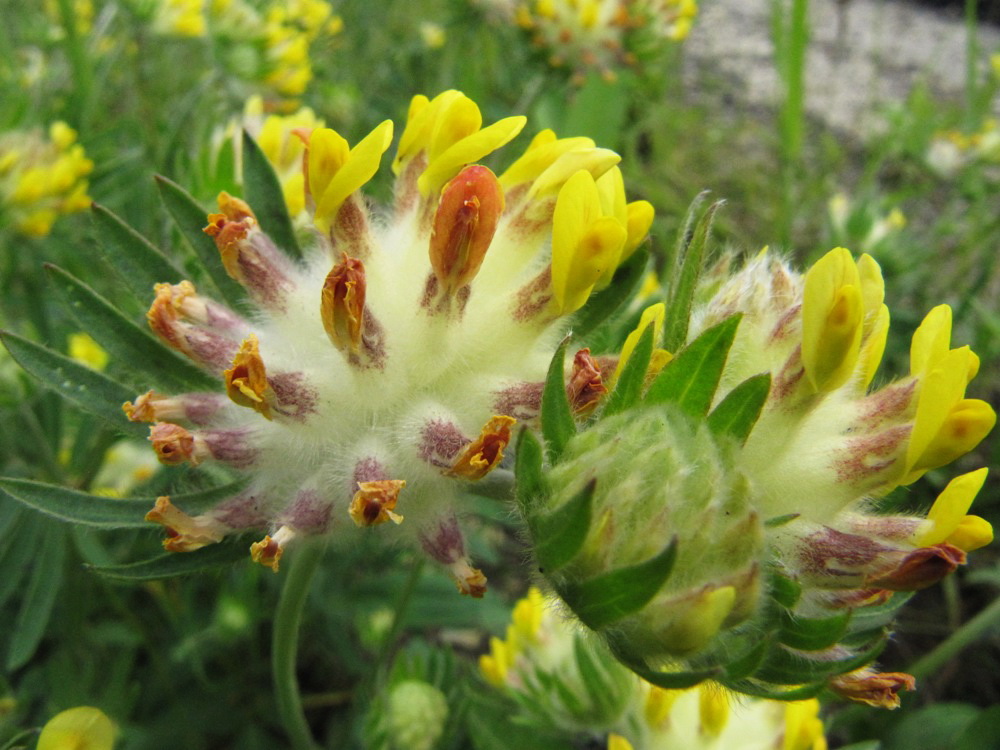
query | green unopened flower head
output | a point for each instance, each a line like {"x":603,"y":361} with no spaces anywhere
{"x":716,"y":516}
{"x":417,"y":712}
{"x":660,"y":477}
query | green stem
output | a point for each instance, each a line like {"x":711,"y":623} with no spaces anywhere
{"x":399,"y":615}
{"x":285,"y":643}
{"x":965,"y":636}
{"x":971,"y":62}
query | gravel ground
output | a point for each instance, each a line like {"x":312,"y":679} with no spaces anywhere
{"x":863,"y":55}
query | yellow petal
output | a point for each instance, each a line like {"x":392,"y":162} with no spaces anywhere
{"x":594,"y":160}
{"x":611,"y":188}
{"x":874,"y":346}
{"x":803,"y":727}
{"x":639,"y":218}
{"x":328,"y":151}
{"x":931,"y":340}
{"x":949,"y":508}
{"x":458,"y":118}
{"x":358,"y":168}
{"x":832,"y":319}
{"x":972,"y":533}
{"x":964,"y":427}
{"x":542,"y":152}
{"x":655,"y":315}
{"x":80,"y":728}
{"x":713,"y":709}
{"x":872,"y":288}
{"x":470,"y":149}
{"x":617,"y":742}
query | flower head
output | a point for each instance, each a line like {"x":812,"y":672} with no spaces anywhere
{"x":380,"y":378}
{"x":730,"y":490}
{"x":41,"y":178}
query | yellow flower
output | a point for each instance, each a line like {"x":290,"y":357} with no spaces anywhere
{"x":80,"y":728}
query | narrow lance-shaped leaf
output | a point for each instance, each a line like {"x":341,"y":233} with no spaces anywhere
{"x":681,"y":293}
{"x":140,"y":264}
{"x":126,"y":341}
{"x":559,"y":535}
{"x":79,"y":507}
{"x":175,"y":564}
{"x":557,"y":419}
{"x":90,"y":390}
{"x":759,"y":690}
{"x":191,"y":218}
{"x":264,"y":194}
{"x":783,"y":667}
{"x":529,"y":484}
{"x":737,"y":413}
{"x":691,"y":378}
{"x":606,"y":303}
{"x":39,"y":598}
{"x":628,"y":389}
{"x":607,"y":598}
{"x":812,"y":634}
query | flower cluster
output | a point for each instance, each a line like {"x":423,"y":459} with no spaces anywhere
{"x":269,"y":42}
{"x":760,"y":517}
{"x":598,"y":697}
{"x":41,"y":178}
{"x":380,"y":377}
{"x":600,"y":35}
{"x":952,"y":150}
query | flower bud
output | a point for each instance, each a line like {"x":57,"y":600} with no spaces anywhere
{"x":658,"y":477}
{"x":417,"y":714}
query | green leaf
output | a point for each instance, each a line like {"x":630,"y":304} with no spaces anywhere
{"x":39,"y":597}
{"x":607,"y":598}
{"x":176,"y":563}
{"x":88,"y":389}
{"x":79,"y":507}
{"x":140,"y":264}
{"x":784,"y":590}
{"x":628,"y":389}
{"x":745,"y":665}
{"x":674,"y":680}
{"x":126,"y":341}
{"x":737,"y":413}
{"x":557,"y":419}
{"x":771,"y":692}
{"x":490,"y":727}
{"x":266,"y":198}
{"x":559,"y":535}
{"x":529,"y":482}
{"x":778,"y":521}
{"x":685,"y":280}
{"x":605,"y":304}
{"x":812,"y":634}
{"x":691,"y":378}
{"x":191,"y":217}
{"x":784,"y":667}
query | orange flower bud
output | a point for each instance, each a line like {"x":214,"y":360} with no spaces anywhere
{"x":342,"y":303}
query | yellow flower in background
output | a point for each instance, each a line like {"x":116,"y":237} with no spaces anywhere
{"x":42,"y":178}
{"x":85,"y":350}
{"x":598,"y":35}
{"x":80,"y":728}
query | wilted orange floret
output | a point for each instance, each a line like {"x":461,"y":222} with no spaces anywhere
{"x":246,"y":380}
{"x":483,"y":454}
{"x":184,"y":533}
{"x":173,"y":444}
{"x":878,"y":689}
{"x":374,"y":502}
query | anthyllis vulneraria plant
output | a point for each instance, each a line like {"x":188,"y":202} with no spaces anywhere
{"x":41,"y":178}
{"x":550,"y":672}
{"x":377,"y":376}
{"x":597,"y":35}
{"x":718,"y":518}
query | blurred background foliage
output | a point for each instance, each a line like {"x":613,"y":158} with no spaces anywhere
{"x":145,"y":89}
